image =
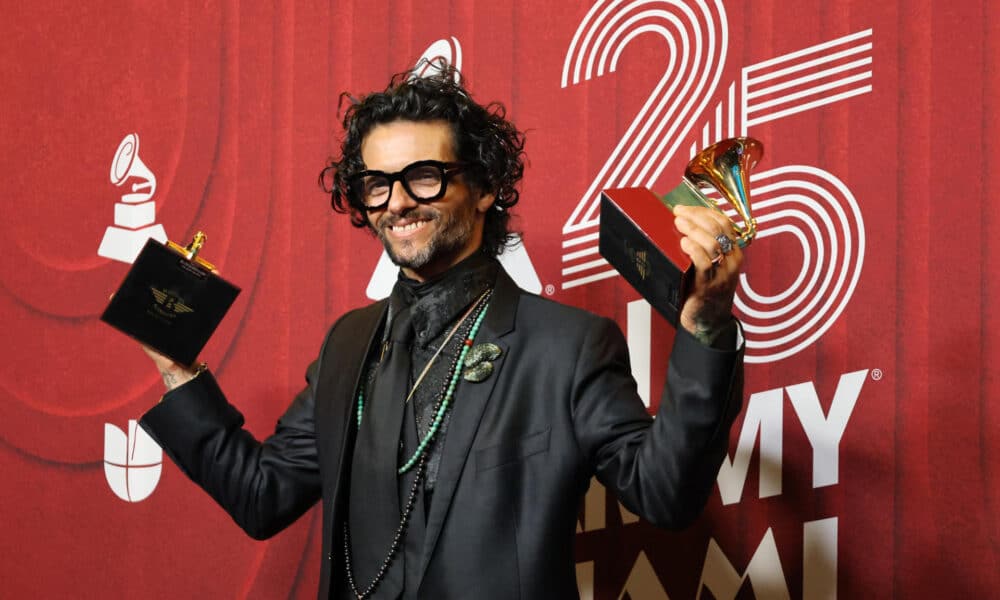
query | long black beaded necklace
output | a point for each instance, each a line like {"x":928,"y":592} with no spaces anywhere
{"x":419,"y":457}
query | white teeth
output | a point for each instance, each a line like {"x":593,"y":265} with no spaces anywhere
{"x":410,"y":227}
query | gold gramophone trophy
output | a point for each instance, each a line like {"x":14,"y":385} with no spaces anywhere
{"x":171,"y":300}
{"x":637,"y":234}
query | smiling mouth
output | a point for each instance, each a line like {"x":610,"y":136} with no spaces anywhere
{"x":409,"y":227}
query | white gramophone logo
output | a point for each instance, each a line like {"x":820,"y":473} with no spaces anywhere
{"x":515,"y":259}
{"x":135,"y":215}
{"x":132,"y":463}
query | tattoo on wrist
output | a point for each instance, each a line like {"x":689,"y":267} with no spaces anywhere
{"x":170,"y":379}
{"x":705,"y":333}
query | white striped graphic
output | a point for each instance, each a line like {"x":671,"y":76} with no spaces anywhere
{"x":806,"y":79}
{"x":822,"y":217}
{"x":696,"y":34}
{"x":723,"y":123}
{"x":779,"y":87}
{"x":810,"y":205}
{"x":790,"y":84}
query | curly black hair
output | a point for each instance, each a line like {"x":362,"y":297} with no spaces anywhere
{"x":483,"y":138}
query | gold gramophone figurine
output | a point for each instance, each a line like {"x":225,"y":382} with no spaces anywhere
{"x":171,"y":300}
{"x":637,"y":234}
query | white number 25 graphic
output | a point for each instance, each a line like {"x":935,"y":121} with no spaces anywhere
{"x":806,"y":202}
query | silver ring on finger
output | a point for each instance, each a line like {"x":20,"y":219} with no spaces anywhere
{"x":725,"y":244}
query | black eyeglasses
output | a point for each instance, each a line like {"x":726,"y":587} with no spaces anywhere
{"x":424,"y":181}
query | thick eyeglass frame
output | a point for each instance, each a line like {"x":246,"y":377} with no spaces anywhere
{"x":447,"y":169}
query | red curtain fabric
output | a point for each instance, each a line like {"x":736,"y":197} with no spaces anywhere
{"x":865,"y":463}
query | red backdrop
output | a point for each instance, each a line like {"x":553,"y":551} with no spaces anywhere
{"x":865,"y":463}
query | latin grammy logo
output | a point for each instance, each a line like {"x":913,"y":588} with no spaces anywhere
{"x":135,"y":215}
{"x":132,"y":463}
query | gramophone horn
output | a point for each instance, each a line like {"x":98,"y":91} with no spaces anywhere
{"x":725,"y":166}
{"x":126,"y":164}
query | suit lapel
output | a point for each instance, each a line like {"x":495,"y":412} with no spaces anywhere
{"x":341,"y":367}
{"x":467,"y":411}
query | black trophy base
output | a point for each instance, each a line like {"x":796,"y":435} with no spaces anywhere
{"x":170,"y":303}
{"x":638,"y":238}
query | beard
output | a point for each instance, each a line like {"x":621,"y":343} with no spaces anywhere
{"x":452,"y":233}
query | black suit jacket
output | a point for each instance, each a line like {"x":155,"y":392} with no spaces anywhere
{"x":560,"y":407}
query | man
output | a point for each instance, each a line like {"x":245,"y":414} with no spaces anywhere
{"x":451,"y":430}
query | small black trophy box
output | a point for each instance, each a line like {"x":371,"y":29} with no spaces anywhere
{"x":171,"y":300}
{"x":638,"y":238}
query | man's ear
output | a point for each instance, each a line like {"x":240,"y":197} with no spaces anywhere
{"x":485,"y":202}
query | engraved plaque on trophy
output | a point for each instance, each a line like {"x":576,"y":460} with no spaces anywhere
{"x":637,"y":233}
{"x":171,"y":300}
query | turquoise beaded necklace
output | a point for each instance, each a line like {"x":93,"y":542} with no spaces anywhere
{"x":419,"y":458}
{"x":482,"y":304}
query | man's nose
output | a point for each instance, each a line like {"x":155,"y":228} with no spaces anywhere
{"x":400,"y":201}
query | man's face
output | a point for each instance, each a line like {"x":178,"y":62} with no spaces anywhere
{"x":423,"y":239}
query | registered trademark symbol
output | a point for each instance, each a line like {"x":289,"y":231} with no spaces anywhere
{"x":876,"y":374}
{"x":550,"y":289}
